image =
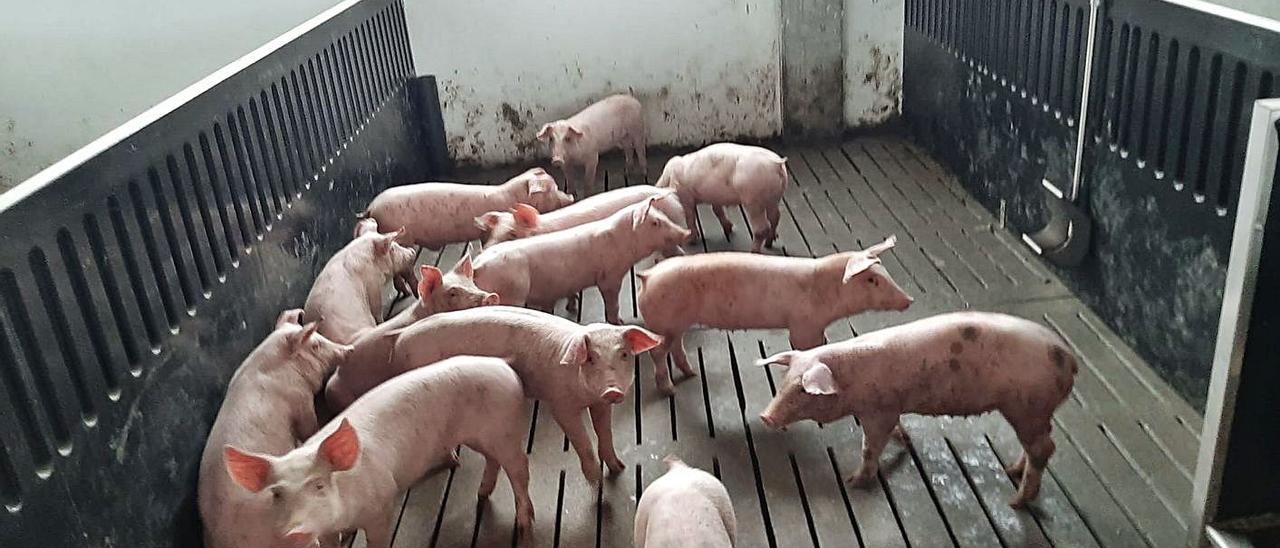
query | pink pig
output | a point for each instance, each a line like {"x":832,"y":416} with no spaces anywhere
{"x":269,"y":407}
{"x":354,"y":472}
{"x":729,"y":174}
{"x":685,"y":507}
{"x":615,"y":121}
{"x":436,"y":214}
{"x":522,"y":221}
{"x":443,"y":292}
{"x":539,"y":271}
{"x":748,"y":291}
{"x":963,"y":363}
{"x":347,"y":294}
{"x":567,"y":366}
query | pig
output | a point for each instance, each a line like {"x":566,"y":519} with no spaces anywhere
{"x":578,"y":141}
{"x":962,"y":363}
{"x":565,"y":365}
{"x":729,"y":174}
{"x":354,"y":472}
{"x":269,"y":407}
{"x":746,"y":291}
{"x":436,"y":214}
{"x":685,"y":507}
{"x":443,"y":292}
{"x":522,"y":221}
{"x":541,"y":270}
{"x":347,"y":293}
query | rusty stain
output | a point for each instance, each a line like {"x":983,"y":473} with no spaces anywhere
{"x":513,"y":117}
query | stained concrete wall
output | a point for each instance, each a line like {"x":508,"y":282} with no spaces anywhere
{"x":71,"y":71}
{"x":872,"y":61}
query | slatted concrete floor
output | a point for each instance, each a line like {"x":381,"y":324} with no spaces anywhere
{"x":1126,"y":442}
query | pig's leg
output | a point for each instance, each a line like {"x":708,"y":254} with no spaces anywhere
{"x":875,"y":434}
{"x":602,"y":422}
{"x":628,"y":155}
{"x":516,"y":465}
{"x":571,"y":303}
{"x":379,"y":530}
{"x":661,"y":376}
{"x":589,"y":173}
{"x":639,"y":142}
{"x":725,"y":223}
{"x":570,"y":421}
{"x":682,"y":360}
{"x":609,"y":291}
{"x":804,"y":337}
{"x":691,"y":218}
{"x":1037,"y":447}
{"x":760,"y":230}
{"x":774,"y":215}
{"x":490,"y":478}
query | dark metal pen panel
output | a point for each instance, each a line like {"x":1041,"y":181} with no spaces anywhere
{"x":133,"y":282}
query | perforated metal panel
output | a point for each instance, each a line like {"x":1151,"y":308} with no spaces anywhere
{"x":136,"y":275}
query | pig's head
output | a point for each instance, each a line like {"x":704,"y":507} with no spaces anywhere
{"x":563,"y":140}
{"x":306,"y":502}
{"x":653,"y":227}
{"x":453,"y":290}
{"x":365,"y":226}
{"x":808,"y":391}
{"x":387,"y":254}
{"x":538,"y":188}
{"x":603,"y":355}
{"x":521,"y":221}
{"x":302,"y":344}
{"x":866,"y":284}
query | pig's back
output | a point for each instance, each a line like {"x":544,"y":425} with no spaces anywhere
{"x":498,"y":331}
{"x":434,"y":214}
{"x":727,"y":290}
{"x":596,"y":207}
{"x":684,"y":508}
{"x":965,"y":363}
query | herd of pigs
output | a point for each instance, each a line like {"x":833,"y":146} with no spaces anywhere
{"x":457,"y":367}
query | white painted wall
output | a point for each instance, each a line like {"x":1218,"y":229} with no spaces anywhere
{"x":705,"y":70}
{"x":872,"y":61}
{"x":72,"y":70}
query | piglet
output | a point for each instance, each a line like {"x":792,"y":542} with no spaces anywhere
{"x":436,"y":214}
{"x":522,"y":221}
{"x":962,"y":363}
{"x":686,"y":507}
{"x":269,"y":407}
{"x":749,"y":291}
{"x":729,"y":174}
{"x":539,"y":271}
{"x":355,"y":471}
{"x":567,"y":366}
{"x":578,"y":141}
{"x":347,"y":293}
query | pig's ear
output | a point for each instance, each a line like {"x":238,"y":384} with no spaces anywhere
{"x":430,"y":281}
{"x":291,"y":316}
{"x":247,"y":469}
{"x":887,"y":244}
{"x":781,"y":358}
{"x":544,"y":132}
{"x":299,"y":340}
{"x":575,"y":131}
{"x":641,"y":214}
{"x":487,"y":221}
{"x":541,"y":183}
{"x":341,"y":448}
{"x":525,"y":215}
{"x":640,"y":340}
{"x":578,"y":351}
{"x":382,"y":244}
{"x":818,"y":380}
{"x":464,"y":267}
{"x":857,"y":264}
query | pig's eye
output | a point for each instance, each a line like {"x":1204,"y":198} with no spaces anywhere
{"x":873,"y":281}
{"x":319,"y":486}
{"x":275,"y":495}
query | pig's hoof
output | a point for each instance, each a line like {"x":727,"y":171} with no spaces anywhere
{"x":592,"y":475}
{"x":616,"y":466}
{"x":860,"y":479}
{"x":666,"y":388}
{"x":614,"y":321}
{"x":728,"y":229}
{"x":1018,"y":502}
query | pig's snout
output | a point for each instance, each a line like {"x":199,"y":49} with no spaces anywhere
{"x":490,"y":300}
{"x":557,"y":161}
{"x":298,"y":537}
{"x":771,"y":422}
{"x":613,"y":395}
{"x":905,"y":303}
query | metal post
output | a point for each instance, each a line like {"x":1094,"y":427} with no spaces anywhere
{"x":1095,"y":6}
